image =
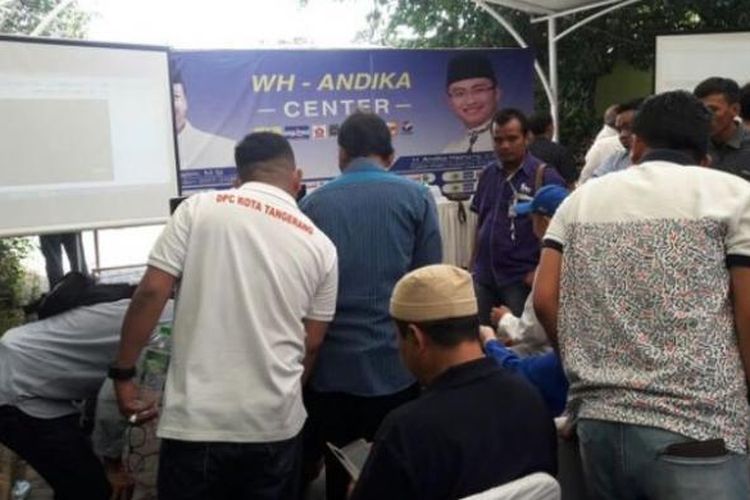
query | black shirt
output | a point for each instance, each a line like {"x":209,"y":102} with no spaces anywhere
{"x":555,"y":155}
{"x":474,"y":428}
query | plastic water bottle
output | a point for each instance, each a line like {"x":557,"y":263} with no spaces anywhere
{"x":141,"y":454}
{"x":155,"y":365}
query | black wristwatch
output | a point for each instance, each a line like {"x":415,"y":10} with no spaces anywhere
{"x":117,"y":373}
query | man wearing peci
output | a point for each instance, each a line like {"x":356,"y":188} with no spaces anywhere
{"x":473,"y":95}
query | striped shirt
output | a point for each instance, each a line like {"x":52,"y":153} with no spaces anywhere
{"x":383,"y":226}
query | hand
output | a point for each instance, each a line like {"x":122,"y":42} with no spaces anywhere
{"x":486,"y":334}
{"x":497,"y":314}
{"x":132,"y":405}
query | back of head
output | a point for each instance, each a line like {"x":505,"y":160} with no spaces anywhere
{"x":439,"y":299}
{"x":539,"y":123}
{"x":469,"y":65}
{"x":264,"y":157}
{"x":718,"y":85}
{"x":631,"y":105}
{"x":745,"y":102}
{"x":610,"y":114}
{"x":507,"y":115}
{"x":365,"y":134}
{"x":674,"y":120}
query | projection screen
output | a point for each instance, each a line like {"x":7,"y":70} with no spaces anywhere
{"x":86,"y":135}
{"x":683,"y":61}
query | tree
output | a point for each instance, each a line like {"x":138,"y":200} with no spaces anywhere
{"x":21,"y":17}
{"x":583,"y":56}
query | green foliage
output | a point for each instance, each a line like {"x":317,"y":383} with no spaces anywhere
{"x":583,"y":56}
{"x":20,"y":17}
{"x":12,"y":278}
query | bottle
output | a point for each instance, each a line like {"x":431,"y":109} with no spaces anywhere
{"x":155,"y":365}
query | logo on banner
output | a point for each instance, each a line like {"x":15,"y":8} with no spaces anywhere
{"x":297,"y":132}
{"x":393,"y":127}
{"x":319,"y":131}
{"x":333,"y":130}
{"x":407,"y":128}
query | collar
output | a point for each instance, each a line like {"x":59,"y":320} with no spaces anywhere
{"x":269,"y":190}
{"x":668,"y":155}
{"x":739,"y":136}
{"x":528,"y":164}
{"x":362,"y":165}
{"x":463,"y":374}
{"x":481,"y":128}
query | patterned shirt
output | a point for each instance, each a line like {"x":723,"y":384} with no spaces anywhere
{"x":646,"y":326}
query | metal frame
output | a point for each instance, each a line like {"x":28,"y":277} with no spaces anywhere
{"x":550,"y":81}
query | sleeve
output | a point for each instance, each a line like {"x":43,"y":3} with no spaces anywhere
{"x":428,"y":248}
{"x":502,"y":355}
{"x":323,"y":305}
{"x":525,"y":328}
{"x":385,"y":475}
{"x":476,"y":200}
{"x":556,"y":235}
{"x":738,"y":236}
{"x":171,"y":247}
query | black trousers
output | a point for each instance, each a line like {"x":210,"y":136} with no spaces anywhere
{"x":52,"y":247}
{"x":222,"y":471}
{"x":512,"y":296}
{"x":58,"y":450}
{"x":342,"y":418}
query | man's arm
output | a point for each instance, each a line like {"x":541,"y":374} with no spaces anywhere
{"x":740,"y":276}
{"x":316,"y":331}
{"x":547,"y":292}
{"x":140,"y":320}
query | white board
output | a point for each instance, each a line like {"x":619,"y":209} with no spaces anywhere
{"x":86,"y":135}
{"x":683,"y":61}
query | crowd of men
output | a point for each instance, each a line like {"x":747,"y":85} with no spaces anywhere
{"x":622,"y":304}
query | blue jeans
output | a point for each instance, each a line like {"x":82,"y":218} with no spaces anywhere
{"x":628,"y":462}
{"x":219,"y":471}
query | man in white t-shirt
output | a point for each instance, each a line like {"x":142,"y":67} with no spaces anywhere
{"x":258,"y":283}
{"x":645,"y":284}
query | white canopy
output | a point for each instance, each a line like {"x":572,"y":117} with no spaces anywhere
{"x":550,"y":11}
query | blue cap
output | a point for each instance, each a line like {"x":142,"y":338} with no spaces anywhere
{"x":545,"y":202}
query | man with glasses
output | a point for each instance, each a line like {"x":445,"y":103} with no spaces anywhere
{"x":473,"y":94}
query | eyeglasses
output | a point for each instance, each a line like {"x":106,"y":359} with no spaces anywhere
{"x":472,"y":92}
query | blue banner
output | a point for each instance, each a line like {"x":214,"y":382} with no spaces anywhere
{"x":437,"y":104}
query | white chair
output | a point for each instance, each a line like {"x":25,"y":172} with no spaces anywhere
{"x":537,"y":486}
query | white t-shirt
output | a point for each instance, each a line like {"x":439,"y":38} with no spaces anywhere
{"x":252,"y":266}
{"x":646,"y":327}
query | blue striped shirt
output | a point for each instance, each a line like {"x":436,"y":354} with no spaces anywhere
{"x":383,"y":226}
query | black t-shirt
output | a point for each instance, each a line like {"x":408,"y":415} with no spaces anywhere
{"x":474,"y":428}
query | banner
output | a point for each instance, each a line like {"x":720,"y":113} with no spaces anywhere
{"x":438,"y":106}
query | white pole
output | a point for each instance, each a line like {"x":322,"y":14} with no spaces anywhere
{"x":553,"y":80}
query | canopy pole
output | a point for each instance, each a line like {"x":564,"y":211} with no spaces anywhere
{"x":551,"y":96}
{"x":553,"y":76}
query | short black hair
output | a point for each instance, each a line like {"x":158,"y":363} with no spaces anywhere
{"x":539,"y":123}
{"x":445,"y":332}
{"x":631,"y":105}
{"x":718,"y":85}
{"x":745,"y":102}
{"x":674,"y":120}
{"x":258,"y":149}
{"x":365,"y":134}
{"x":505,"y":116}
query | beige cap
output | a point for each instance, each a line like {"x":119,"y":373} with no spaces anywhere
{"x":434,"y":292}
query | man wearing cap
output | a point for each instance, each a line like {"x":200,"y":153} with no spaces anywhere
{"x":473,"y":95}
{"x":475,"y":426}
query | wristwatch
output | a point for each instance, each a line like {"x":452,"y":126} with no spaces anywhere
{"x":118,"y":373}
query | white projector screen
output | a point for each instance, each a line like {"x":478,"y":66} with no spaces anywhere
{"x":683,"y":61}
{"x":86,"y":135}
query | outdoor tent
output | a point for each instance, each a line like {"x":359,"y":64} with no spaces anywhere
{"x":550,"y":11}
